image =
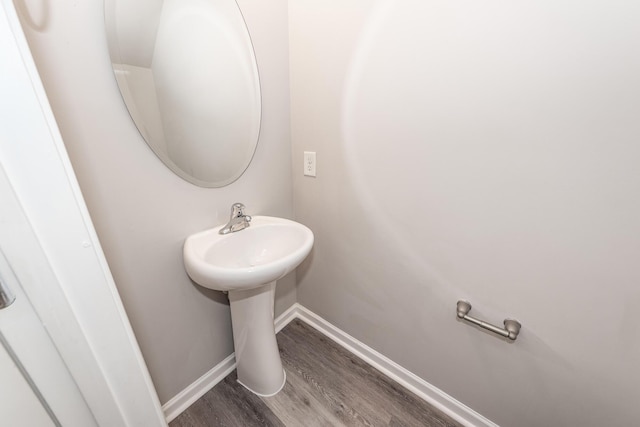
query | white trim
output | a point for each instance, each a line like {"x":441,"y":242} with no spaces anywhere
{"x":181,"y":401}
{"x":429,"y":393}
{"x":285,"y":318}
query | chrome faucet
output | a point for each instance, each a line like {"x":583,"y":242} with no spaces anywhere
{"x":239,"y":221}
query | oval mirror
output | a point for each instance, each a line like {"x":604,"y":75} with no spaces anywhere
{"x":188,"y":75}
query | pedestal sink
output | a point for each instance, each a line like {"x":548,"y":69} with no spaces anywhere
{"x":247,"y":264}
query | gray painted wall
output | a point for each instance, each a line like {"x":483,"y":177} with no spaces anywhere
{"x":141,"y":210}
{"x":465,"y":150}
{"x":485,"y":151}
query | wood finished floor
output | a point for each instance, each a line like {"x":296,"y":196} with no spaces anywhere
{"x":326,"y":386}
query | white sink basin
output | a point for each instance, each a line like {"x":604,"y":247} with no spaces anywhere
{"x":247,"y":263}
{"x":266,"y":251}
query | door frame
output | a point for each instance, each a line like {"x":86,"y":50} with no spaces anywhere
{"x":79,"y":304}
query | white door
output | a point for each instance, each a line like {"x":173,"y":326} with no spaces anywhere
{"x":36,"y":387}
{"x":18,"y":401}
{"x":68,"y":356}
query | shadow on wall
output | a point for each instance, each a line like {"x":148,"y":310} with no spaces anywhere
{"x":211,"y":294}
{"x":303,"y":269}
{"x":388,"y":196}
{"x":39,"y":21}
{"x":483,"y":156}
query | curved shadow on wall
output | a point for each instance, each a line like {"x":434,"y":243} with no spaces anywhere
{"x":35,"y":14}
{"x":385,"y":208}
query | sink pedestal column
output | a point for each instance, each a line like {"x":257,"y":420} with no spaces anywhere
{"x":258,"y":359}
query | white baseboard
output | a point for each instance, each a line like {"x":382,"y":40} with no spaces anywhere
{"x":285,"y":318}
{"x":431,"y":394}
{"x":181,"y":401}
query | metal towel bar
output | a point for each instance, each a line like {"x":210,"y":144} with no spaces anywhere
{"x":511,"y":327}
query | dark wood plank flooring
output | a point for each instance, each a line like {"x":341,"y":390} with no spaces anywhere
{"x":326,"y":386}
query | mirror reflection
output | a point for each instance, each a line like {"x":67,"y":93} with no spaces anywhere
{"x":188,"y":75}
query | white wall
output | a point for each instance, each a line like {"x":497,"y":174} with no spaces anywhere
{"x":485,"y":151}
{"x":141,"y":210}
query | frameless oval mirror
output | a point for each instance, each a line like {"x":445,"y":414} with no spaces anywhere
{"x":188,"y":75}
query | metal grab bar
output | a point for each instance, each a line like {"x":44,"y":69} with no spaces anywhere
{"x":511,"y":327}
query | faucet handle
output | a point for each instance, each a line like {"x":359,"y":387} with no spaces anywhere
{"x":237,"y":210}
